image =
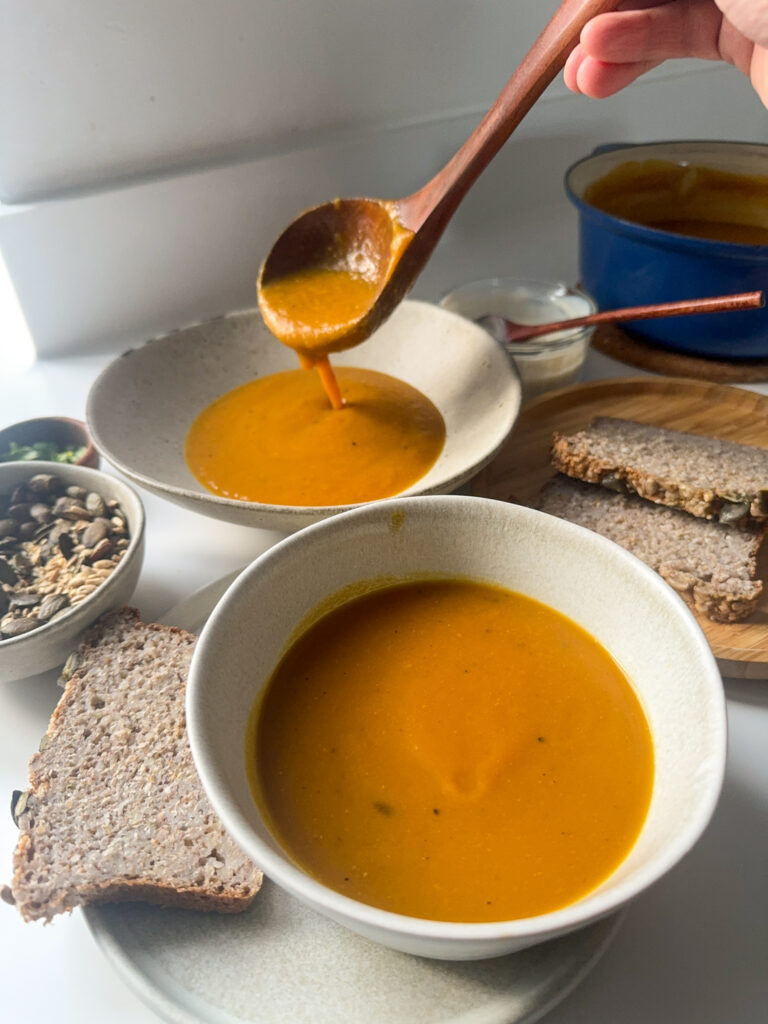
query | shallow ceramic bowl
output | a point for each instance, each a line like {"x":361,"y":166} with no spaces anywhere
{"x":62,"y":431}
{"x":616,"y":598}
{"x":142,"y":406}
{"x":50,"y":645}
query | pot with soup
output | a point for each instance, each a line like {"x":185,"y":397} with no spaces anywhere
{"x":677,"y":220}
{"x":455,"y":725}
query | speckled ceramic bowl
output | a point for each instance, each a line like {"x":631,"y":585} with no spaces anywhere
{"x":50,"y":645}
{"x":616,"y":598}
{"x":141,"y":407}
{"x":63,"y":431}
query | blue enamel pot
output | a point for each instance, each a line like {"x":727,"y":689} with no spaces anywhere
{"x":622,"y":263}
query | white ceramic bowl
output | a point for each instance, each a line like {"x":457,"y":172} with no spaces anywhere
{"x":142,"y":406}
{"x":615,"y":597}
{"x":51,"y":644}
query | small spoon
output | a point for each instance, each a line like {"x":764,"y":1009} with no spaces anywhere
{"x":504,"y":329}
{"x":382,"y":243}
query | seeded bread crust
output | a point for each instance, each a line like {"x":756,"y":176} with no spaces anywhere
{"x":712,"y":566}
{"x":115,"y":810}
{"x":705,"y":476}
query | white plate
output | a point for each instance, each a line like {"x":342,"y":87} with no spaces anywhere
{"x":281,"y":963}
{"x":142,"y":405}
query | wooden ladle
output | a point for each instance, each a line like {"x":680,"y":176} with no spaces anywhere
{"x":504,"y":329}
{"x":386,"y":243}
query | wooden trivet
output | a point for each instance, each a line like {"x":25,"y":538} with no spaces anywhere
{"x":618,"y":344}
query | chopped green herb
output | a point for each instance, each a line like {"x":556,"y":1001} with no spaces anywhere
{"x":45,"y":451}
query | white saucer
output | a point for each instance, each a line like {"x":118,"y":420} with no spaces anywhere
{"x":281,"y":962}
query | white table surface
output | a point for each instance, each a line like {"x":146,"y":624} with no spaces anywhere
{"x":692,"y":950}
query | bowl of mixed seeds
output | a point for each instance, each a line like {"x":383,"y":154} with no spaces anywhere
{"x":71,"y":548}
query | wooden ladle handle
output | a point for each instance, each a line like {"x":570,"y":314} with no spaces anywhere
{"x":439,"y":197}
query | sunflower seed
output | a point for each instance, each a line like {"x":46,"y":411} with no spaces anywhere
{"x":66,"y":545}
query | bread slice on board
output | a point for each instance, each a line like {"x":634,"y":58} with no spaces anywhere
{"x":706,"y":476}
{"x":712,"y":566}
{"x":115,"y":810}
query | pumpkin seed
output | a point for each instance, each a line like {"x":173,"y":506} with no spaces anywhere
{"x":28,"y":529}
{"x":613,"y":483}
{"x":50,"y":605}
{"x":733,"y":511}
{"x":19,"y":800}
{"x":70,"y":666}
{"x":44,"y":484}
{"x":96,"y":504}
{"x":41,"y":513}
{"x":19,"y":512}
{"x":94,"y":533}
{"x":7,"y":573}
{"x":18,"y":627}
{"x":8,"y":527}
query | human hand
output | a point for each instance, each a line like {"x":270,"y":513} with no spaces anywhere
{"x":618,"y":47}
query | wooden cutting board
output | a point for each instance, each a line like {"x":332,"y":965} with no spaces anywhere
{"x":522,"y":466}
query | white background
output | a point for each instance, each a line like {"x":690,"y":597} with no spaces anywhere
{"x":150,"y":150}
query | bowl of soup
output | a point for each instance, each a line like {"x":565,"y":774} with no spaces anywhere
{"x":220,"y":418}
{"x":455,"y":725}
{"x":677,"y":220}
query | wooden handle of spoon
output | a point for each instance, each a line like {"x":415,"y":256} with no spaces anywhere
{"x":715,"y":304}
{"x":439,"y":198}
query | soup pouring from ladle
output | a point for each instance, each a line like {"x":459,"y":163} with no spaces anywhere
{"x":341,"y":268}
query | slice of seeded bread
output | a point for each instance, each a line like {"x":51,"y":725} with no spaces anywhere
{"x":115,"y":810}
{"x":712,"y":566}
{"x":706,"y":476}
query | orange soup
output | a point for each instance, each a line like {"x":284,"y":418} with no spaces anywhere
{"x":276,"y":440}
{"x":451,"y":750}
{"x":696,"y":201}
{"x":309,"y":310}
{"x":323,"y":307}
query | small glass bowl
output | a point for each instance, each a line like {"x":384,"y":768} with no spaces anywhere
{"x":546,"y":363}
